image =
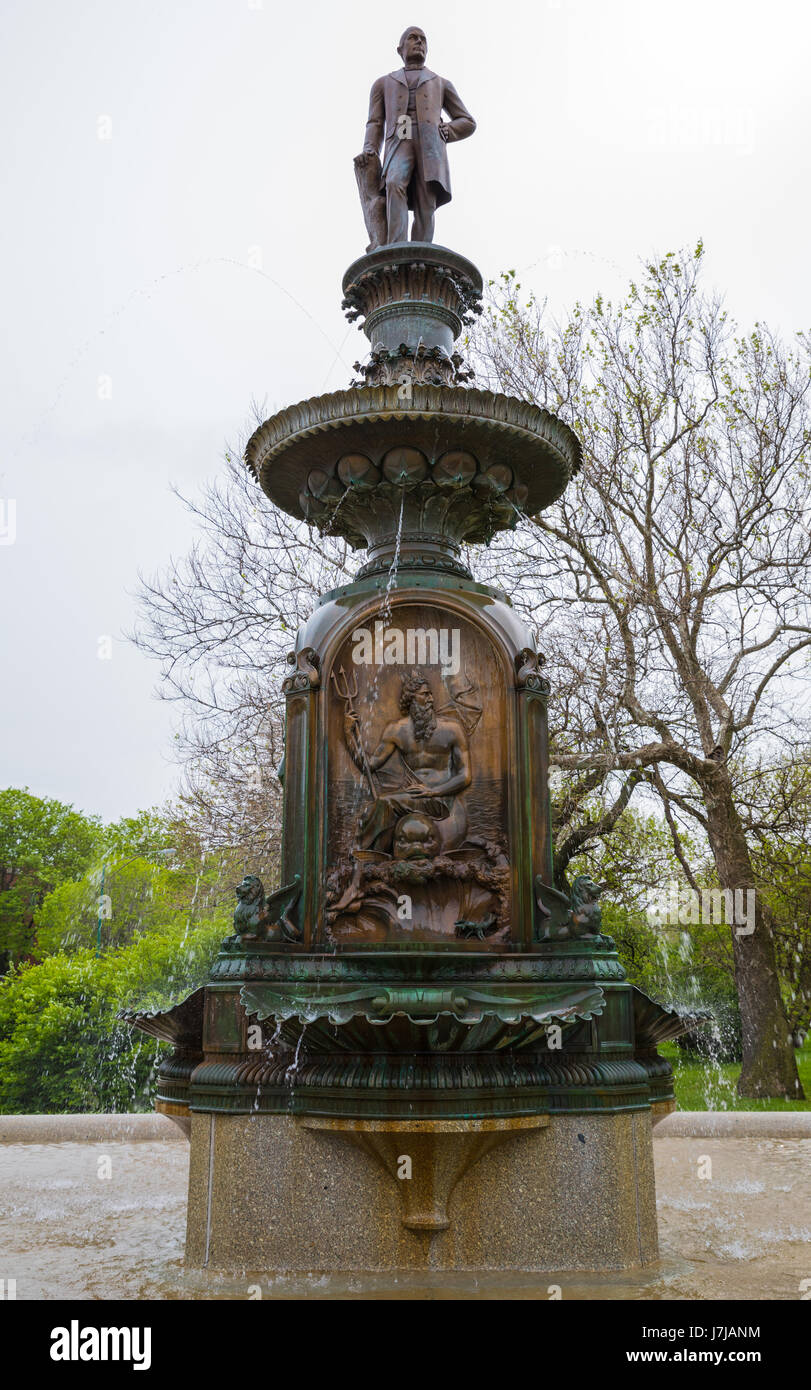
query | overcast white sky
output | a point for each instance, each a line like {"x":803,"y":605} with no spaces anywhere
{"x":607,"y":129}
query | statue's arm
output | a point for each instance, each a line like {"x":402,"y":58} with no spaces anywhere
{"x":462,"y":776}
{"x":388,"y":744}
{"x":461,"y":123}
{"x":377,"y":119}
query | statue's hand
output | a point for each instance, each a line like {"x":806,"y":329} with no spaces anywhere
{"x":351,"y":726}
{"x":444,"y":130}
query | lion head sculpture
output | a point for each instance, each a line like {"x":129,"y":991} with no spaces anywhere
{"x":586,"y":913}
{"x":250,"y":908}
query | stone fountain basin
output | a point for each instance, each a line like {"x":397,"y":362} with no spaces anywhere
{"x":744,"y":1235}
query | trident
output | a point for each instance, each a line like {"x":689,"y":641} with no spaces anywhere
{"x":349,"y":695}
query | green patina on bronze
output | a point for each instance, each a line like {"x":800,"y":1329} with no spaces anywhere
{"x":409,"y":782}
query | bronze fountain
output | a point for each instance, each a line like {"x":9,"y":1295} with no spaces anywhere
{"x":417,"y":988}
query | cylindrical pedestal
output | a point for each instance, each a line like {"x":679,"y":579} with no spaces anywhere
{"x":412,"y":292}
{"x":273,"y":1193}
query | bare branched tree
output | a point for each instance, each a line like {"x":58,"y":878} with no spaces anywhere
{"x":777,"y":820}
{"x":670,"y":585}
{"x":220,"y":623}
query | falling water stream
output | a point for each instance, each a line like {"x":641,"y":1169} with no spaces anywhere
{"x":370,"y":695}
{"x":368,"y":702}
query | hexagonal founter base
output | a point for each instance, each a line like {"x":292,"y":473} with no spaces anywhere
{"x":272,"y":1194}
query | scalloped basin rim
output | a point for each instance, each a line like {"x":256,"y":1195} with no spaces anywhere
{"x":181,"y":1024}
{"x":401,"y":253}
{"x":543,"y":452}
{"x":380,"y":1004}
{"x":655,"y":1023}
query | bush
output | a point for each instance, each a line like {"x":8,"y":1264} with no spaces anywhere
{"x":62,"y":1049}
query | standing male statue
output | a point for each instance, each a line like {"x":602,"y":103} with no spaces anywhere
{"x":406,"y":108}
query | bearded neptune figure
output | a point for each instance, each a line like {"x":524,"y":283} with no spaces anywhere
{"x":424,"y":806}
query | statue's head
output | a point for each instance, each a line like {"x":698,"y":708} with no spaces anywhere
{"x":417,"y":701}
{"x":250,"y":889}
{"x":587,"y":917}
{"x":584,"y":891}
{"x":415,"y":837}
{"x":413,"y":47}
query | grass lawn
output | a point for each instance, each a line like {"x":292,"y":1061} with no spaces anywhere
{"x":702,"y":1085}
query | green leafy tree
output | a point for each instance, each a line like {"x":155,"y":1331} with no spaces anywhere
{"x":670,"y":582}
{"x":151,"y":875}
{"x":62,"y":1048}
{"x":147,"y":835}
{"x":137,"y":897}
{"x":43,"y":843}
{"x":778,"y":822}
{"x":167,"y":903}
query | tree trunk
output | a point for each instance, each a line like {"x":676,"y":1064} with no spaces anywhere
{"x":769,"y":1065}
